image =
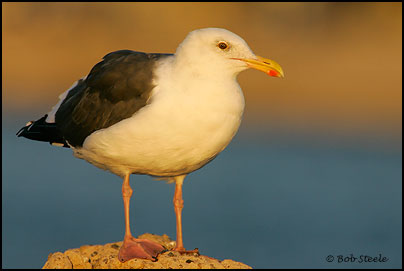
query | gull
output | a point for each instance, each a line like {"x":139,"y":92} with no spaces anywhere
{"x":164,"y":115}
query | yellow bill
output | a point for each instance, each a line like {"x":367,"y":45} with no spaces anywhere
{"x":268,"y":66}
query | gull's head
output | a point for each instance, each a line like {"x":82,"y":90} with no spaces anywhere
{"x":219,"y":51}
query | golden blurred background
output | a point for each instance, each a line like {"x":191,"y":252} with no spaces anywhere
{"x":342,"y":61}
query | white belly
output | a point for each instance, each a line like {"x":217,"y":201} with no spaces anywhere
{"x":177,"y":133}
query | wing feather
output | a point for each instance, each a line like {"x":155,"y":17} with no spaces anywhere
{"x":115,"y":89}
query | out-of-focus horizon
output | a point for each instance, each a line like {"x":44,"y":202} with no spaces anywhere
{"x":342,"y":61}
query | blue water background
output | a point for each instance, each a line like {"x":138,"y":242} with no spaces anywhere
{"x":268,"y":201}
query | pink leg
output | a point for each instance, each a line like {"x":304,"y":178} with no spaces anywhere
{"x":178,"y":205}
{"x":132,"y":247}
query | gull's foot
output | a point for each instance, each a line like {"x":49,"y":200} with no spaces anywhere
{"x":139,"y":248}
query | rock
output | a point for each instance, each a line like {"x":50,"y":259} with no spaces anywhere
{"x":106,"y":256}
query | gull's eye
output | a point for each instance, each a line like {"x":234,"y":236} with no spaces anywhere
{"x":222,"y":45}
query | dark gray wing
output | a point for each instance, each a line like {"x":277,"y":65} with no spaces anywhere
{"x":114,"y":90}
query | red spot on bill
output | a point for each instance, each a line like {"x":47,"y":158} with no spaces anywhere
{"x":273,"y":73}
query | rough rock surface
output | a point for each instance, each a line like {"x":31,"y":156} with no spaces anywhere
{"x":105,"y":256}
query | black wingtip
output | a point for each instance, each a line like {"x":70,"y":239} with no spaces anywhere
{"x":40,"y":130}
{"x":24,"y":129}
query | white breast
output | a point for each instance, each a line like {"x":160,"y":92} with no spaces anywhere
{"x":185,"y":125}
